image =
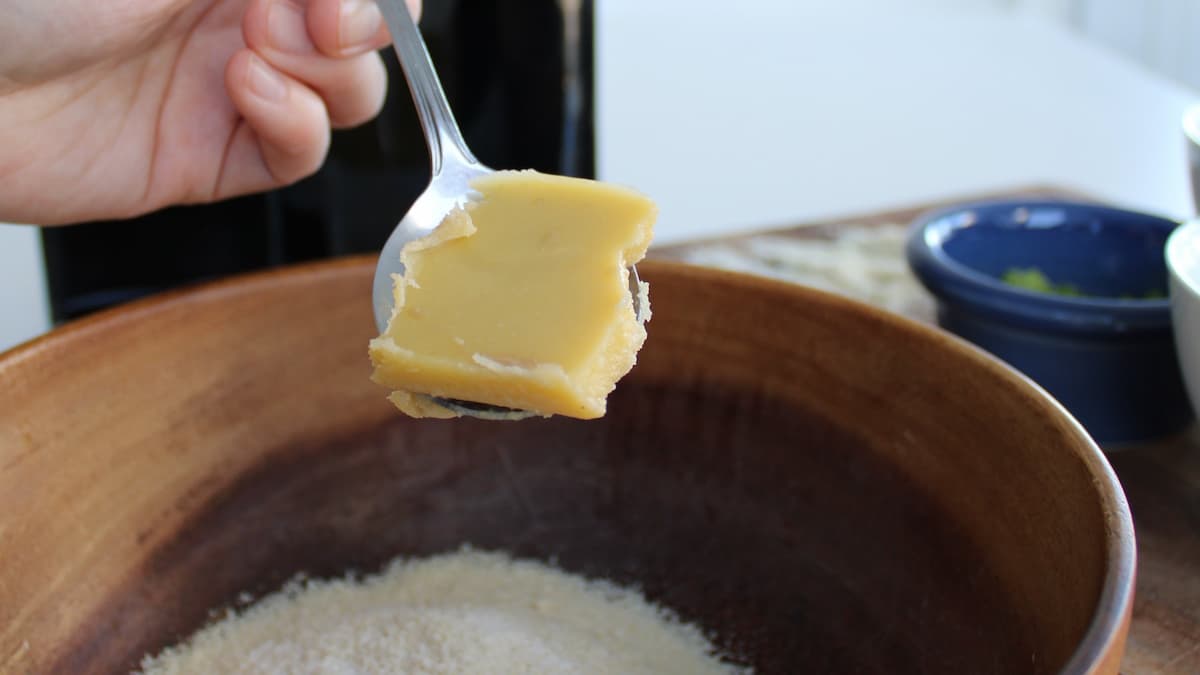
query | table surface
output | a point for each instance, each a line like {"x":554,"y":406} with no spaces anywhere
{"x":1161,"y":481}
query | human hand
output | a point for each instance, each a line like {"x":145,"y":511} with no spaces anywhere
{"x":112,"y":109}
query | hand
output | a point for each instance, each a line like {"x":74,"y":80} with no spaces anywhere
{"x":113,"y":108}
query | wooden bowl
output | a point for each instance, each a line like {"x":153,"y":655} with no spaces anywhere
{"x":824,"y":487}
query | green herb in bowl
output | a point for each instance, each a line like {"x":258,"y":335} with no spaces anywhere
{"x":1034,"y":280}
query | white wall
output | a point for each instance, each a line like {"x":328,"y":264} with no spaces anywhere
{"x":831,"y":114}
{"x":24,"y":309}
{"x":1162,"y":35}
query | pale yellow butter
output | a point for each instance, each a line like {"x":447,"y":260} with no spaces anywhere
{"x":519,"y":300}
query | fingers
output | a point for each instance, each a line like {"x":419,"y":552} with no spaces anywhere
{"x":353,"y":82}
{"x":284,"y":132}
{"x":309,"y":65}
{"x":346,"y":27}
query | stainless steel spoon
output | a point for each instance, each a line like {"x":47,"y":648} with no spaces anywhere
{"x":454,"y":167}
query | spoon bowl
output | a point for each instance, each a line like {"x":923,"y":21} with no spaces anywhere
{"x":454,"y":167}
{"x":448,"y":189}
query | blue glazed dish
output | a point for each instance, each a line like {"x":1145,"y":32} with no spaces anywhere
{"x":1108,"y":355}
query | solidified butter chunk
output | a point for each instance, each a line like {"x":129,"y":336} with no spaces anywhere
{"x":521,"y":299}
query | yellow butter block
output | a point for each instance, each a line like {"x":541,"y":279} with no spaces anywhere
{"x":520,"y":300}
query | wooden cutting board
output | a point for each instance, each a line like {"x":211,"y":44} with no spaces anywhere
{"x":1161,"y":481}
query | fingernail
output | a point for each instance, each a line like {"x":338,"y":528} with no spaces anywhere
{"x":287,"y":30}
{"x":264,"y":82}
{"x":358,"y":22}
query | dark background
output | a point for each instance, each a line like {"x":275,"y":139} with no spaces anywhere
{"x":520,"y":83}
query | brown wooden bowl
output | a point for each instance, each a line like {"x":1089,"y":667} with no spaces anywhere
{"x":824,"y":487}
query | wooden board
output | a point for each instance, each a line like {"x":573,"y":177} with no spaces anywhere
{"x":901,"y":215}
{"x":1161,"y":481}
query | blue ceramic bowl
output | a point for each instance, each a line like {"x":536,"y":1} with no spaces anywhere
{"x":1107,"y":354}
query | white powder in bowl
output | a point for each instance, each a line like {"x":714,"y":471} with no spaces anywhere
{"x":466,"y":612}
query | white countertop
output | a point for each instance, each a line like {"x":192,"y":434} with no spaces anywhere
{"x":771,"y":112}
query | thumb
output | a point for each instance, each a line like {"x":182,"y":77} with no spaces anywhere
{"x":343,"y":28}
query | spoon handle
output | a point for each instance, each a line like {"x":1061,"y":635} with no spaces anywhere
{"x":446,"y":144}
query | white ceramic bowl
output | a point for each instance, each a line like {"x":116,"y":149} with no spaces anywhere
{"x":1183,"y":260}
{"x":1191,"y":131}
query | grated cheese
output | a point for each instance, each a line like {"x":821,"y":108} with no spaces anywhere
{"x":863,"y":262}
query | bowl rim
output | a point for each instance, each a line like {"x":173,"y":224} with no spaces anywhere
{"x":1182,"y":246}
{"x":1102,"y":641}
{"x":1114,"y":610}
{"x":1191,"y":123}
{"x":962,"y":286}
{"x":1102,"y":645}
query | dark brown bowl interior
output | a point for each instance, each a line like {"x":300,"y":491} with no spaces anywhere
{"x":822,"y":487}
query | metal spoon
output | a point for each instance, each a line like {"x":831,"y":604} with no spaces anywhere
{"x":454,"y":167}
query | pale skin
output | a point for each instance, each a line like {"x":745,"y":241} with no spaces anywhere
{"x":114,"y":108}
